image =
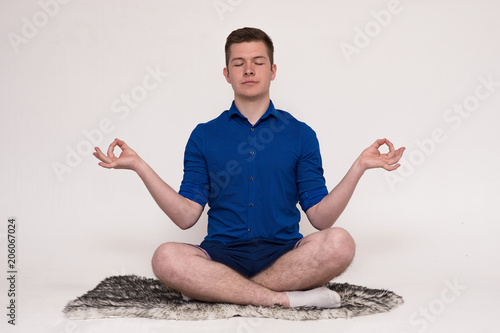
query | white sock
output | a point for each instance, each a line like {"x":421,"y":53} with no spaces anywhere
{"x":321,"y":297}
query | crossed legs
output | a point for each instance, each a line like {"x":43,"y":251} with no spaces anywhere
{"x":319,"y":258}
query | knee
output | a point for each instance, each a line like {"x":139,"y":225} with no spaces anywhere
{"x":339,"y":245}
{"x":163,"y":260}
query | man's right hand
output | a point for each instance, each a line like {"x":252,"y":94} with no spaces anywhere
{"x":128,"y":158}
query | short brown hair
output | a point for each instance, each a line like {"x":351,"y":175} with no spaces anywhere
{"x":249,"y":35}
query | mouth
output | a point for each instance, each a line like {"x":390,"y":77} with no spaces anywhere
{"x":250,"y":83}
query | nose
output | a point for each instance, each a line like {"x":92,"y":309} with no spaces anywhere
{"x":249,"y":71}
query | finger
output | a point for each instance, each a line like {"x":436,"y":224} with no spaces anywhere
{"x":392,"y":161}
{"x":391,"y":167}
{"x":112,"y":148}
{"x":398,"y":154}
{"x":122,"y":144}
{"x":110,"y":165}
{"x":400,"y":151}
{"x":378,"y":143}
{"x":392,"y":151}
{"x":99,"y":154}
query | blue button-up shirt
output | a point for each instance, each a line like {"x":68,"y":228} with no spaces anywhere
{"x":252,"y":177}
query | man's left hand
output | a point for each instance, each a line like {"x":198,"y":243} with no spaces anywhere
{"x":372,"y":158}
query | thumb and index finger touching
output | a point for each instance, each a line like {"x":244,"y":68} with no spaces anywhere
{"x":108,"y":161}
{"x":392,"y":151}
{"x":116,"y":142}
{"x":393,"y":155}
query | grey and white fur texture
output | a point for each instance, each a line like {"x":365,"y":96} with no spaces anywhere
{"x":139,"y":297}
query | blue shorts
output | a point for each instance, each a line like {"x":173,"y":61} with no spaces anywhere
{"x":248,"y":257}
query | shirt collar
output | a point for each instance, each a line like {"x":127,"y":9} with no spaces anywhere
{"x":270,"y":111}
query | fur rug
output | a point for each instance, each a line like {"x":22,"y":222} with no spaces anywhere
{"x":139,"y":297}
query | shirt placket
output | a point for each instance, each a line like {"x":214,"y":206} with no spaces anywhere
{"x":251,"y":185}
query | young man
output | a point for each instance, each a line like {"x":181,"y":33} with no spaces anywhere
{"x":252,"y":164}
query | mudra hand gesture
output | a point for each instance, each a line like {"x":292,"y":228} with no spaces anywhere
{"x":128,"y":158}
{"x":372,"y":158}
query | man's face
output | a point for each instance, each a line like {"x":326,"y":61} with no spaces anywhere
{"x":249,"y":70}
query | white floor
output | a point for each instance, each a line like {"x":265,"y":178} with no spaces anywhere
{"x":444,"y":291}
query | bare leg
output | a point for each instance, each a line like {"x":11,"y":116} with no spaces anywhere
{"x":319,"y":258}
{"x":186,"y":268}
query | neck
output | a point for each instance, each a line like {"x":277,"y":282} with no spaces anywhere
{"x":252,"y":109}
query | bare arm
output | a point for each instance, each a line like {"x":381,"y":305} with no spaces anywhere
{"x":182,"y":211}
{"x":324,"y":214}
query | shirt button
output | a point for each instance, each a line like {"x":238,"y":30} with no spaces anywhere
{"x":253,"y":129}
{"x":249,"y":230}
{"x":251,"y":179}
{"x":252,"y":152}
{"x":251,"y":204}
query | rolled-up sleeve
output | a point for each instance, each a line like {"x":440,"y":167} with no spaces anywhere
{"x":195,"y":183}
{"x":311,"y":183}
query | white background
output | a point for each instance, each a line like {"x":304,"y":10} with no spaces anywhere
{"x":430,"y":224}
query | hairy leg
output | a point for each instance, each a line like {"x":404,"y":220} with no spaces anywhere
{"x":187,"y":269}
{"x":319,"y":258}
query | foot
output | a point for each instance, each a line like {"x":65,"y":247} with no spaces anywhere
{"x":321,"y":297}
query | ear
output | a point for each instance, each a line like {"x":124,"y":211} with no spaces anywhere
{"x":225,"y":72}
{"x":273,"y":71}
